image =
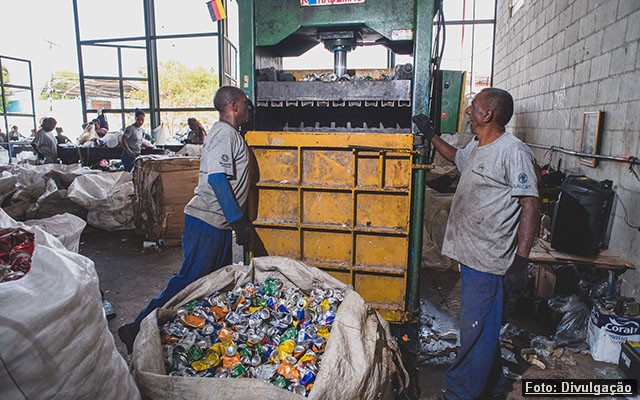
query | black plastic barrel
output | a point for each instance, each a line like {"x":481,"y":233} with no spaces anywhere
{"x":581,"y":215}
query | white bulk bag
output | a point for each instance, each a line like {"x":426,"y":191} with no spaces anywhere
{"x":54,"y":339}
{"x":108,"y":197}
{"x":361,"y":360}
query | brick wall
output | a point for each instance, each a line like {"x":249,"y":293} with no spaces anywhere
{"x":560,"y":58}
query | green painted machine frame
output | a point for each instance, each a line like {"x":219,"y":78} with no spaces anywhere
{"x":272,"y":29}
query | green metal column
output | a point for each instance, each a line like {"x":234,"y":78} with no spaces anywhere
{"x":152,"y":63}
{"x":423,"y":30}
{"x":247,"y":46}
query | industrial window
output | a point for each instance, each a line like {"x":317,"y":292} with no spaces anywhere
{"x":151,"y":54}
{"x":469,"y":46}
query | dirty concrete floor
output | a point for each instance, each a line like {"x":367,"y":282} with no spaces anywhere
{"x":130,"y":276}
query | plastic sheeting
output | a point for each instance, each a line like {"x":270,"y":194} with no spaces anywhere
{"x":361,"y":360}
{"x":55,"y":343}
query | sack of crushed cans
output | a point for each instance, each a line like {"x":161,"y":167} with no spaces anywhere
{"x":16,"y":249}
{"x":263,"y":331}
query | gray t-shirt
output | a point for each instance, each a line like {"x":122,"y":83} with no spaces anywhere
{"x":134,"y":137}
{"x":48,"y":146}
{"x":485,"y":212}
{"x":224,"y":151}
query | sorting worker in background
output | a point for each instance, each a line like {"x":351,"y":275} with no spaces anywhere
{"x":60,"y":137}
{"x":45,"y":143}
{"x":197,"y":132}
{"x":490,"y":232}
{"x":217,"y":204}
{"x":102,"y":120}
{"x":100,"y":131}
{"x":132,"y":141}
{"x":15,"y":135}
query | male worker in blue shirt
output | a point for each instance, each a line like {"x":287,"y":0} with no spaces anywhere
{"x":490,"y":231}
{"x":216,"y":206}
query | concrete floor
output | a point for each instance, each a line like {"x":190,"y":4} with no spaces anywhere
{"x":130,"y":276}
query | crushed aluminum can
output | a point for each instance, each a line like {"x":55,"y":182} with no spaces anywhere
{"x":233,"y":318}
{"x":230,"y":351}
{"x":298,"y":389}
{"x":255,"y":360}
{"x":265,"y":372}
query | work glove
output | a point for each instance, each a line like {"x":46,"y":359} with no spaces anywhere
{"x":424,"y":126}
{"x":243,"y":231}
{"x":515,"y":280}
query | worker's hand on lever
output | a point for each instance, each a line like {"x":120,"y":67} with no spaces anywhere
{"x":517,"y":275}
{"x":243,"y":231}
{"x":424,"y":126}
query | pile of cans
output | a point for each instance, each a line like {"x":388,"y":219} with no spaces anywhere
{"x":16,"y":248}
{"x":332,"y":77}
{"x":263,"y":331}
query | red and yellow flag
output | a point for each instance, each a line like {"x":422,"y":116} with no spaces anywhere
{"x":216,"y":9}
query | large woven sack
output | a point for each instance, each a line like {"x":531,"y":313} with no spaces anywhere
{"x":361,"y":360}
{"x":108,"y":197}
{"x":54,"y":339}
{"x":436,"y":214}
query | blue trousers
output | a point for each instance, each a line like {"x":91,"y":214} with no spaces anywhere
{"x":206,"y":249}
{"x":476,"y":372}
{"x":127,"y":161}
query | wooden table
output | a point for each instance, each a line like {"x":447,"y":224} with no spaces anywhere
{"x":542,"y":252}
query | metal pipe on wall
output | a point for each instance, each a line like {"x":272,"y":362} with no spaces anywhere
{"x":633,"y":160}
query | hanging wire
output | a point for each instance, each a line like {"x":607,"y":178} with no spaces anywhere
{"x":626,"y":215}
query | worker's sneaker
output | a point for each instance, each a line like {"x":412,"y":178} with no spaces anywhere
{"x":127,"y":334}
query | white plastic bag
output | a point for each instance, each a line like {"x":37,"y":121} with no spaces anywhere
{"x":112,"y":139}
{"x":161,"y":134}
{"x":54,"y":339}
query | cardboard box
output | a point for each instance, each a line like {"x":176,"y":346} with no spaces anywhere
{"x":163,"y":187}
{"x":545,"y":282}
{"x":629,"y":362}
{"x":607,"y":332}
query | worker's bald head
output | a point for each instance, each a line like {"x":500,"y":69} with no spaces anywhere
{"x":225,"y":95}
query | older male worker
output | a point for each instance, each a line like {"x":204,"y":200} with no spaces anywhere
{"x":217,"y":205}
{"x":490,"y":233}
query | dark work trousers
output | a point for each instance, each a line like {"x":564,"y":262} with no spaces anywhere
{"x":476,"y":372}
{"x":206,"y":249}
{"x":128,"y":161}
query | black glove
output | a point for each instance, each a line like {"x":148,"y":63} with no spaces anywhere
{"x":424,"y":126}
{"x":517,"y":275}
{"x":243,"y":231}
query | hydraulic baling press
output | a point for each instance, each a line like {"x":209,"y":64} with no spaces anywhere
{"x":340,"y":174}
